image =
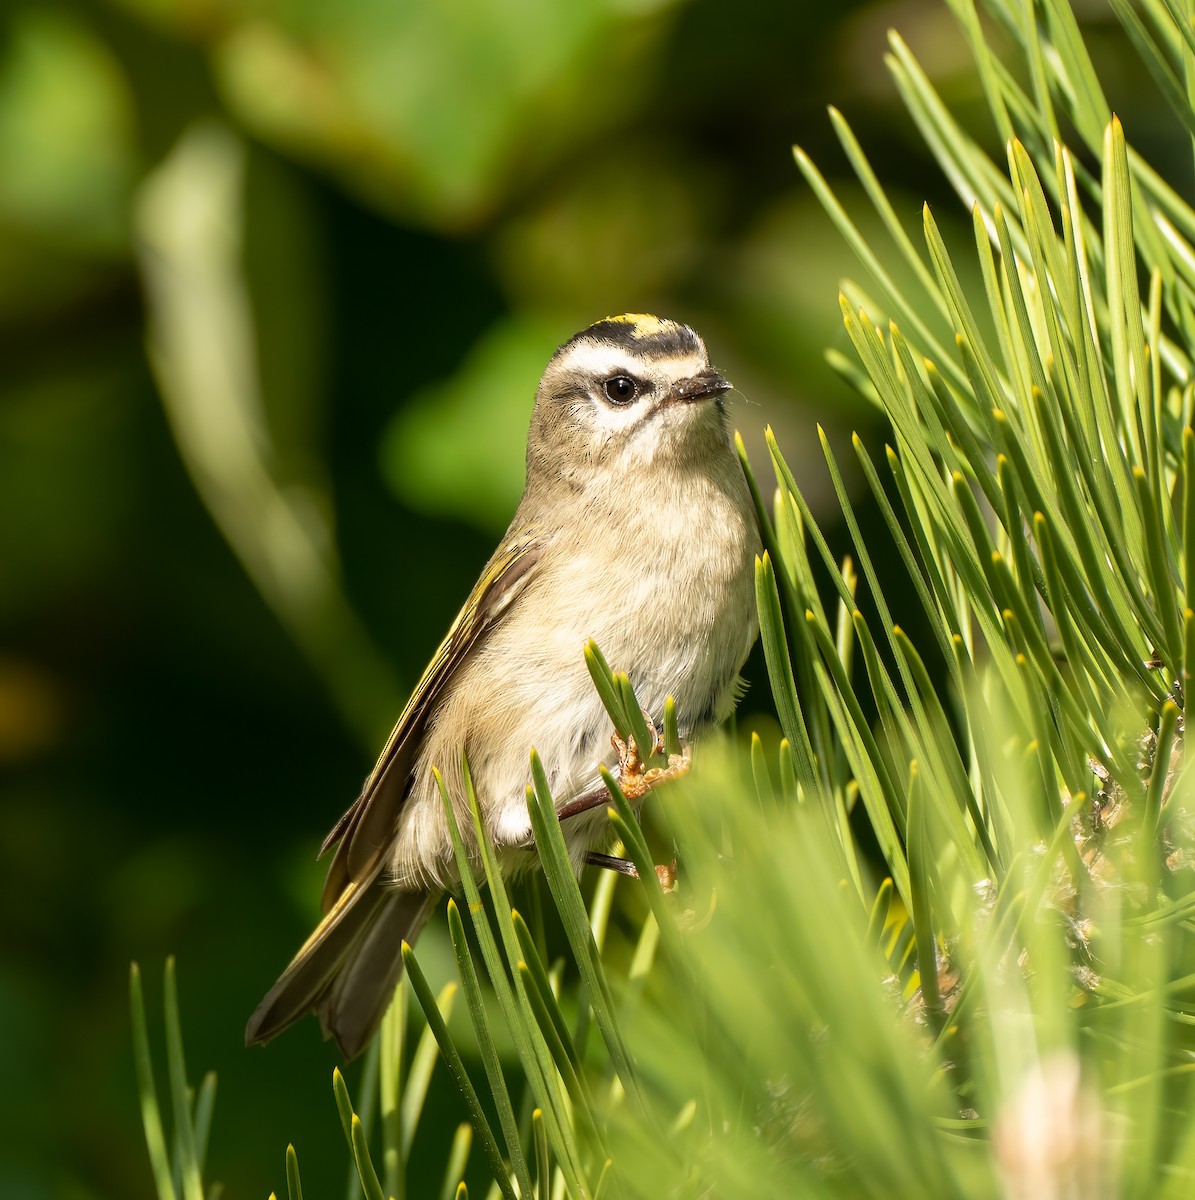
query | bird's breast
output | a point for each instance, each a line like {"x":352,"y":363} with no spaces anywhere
{"x":666,"y":590}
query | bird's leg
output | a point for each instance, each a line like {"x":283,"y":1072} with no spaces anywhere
{"x":665,"y":872}
{"x":594,"y":798}
{"x":608,"y":862}
{"x":635,"y":783}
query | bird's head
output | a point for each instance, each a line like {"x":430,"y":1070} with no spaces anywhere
{"x":628,"y":393}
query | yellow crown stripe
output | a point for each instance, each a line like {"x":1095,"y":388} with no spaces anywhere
{"x":645,"y":324}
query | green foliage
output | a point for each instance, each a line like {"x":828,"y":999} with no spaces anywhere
{"x":176,"y":1174}
{"x":939,"y":939}
{"x":179,"y":724}
{"x":402,"y":1091}
{"x":884,"y":1033}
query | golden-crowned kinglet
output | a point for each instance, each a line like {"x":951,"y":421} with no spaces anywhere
{"x":635,"y":529}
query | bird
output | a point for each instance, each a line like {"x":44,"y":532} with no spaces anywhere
{"x":636,"y":530}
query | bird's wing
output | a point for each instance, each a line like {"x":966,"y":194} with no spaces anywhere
{"x":355,"y":904}
{"x":364,"y":834}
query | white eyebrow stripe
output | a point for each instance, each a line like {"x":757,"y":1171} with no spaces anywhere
{"x":603,"y":361}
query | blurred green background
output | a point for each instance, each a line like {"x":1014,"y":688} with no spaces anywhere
{"x":277,"y":281}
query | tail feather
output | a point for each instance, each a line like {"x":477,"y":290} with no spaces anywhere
{"x":347,"y":969}
{"x":352,"y":1007}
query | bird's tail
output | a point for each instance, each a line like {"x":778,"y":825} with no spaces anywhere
{"x":347,"y":969}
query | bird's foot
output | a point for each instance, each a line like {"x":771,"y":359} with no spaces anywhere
{"x":634,"y":776}
{"x":637,"y":779}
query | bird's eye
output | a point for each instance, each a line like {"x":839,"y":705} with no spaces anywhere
{"x":621,"y":389}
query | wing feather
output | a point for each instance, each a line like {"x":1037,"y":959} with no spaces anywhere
{"x":364,"y":834}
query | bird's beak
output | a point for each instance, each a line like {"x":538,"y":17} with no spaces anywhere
{"x":703,"y":386}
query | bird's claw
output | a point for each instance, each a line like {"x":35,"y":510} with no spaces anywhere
{"x":667,"y":875}
{"x":634,"y":777}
